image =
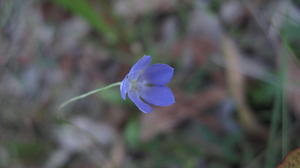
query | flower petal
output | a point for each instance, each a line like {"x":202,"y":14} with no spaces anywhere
{"x":124,"y":87}
{"x":146,"y":108}
{"x":159,"y":74}
{"x":141,"y":64}
{"x":158,"y":95}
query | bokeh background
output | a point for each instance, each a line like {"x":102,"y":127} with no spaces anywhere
{"x":236,"y":82}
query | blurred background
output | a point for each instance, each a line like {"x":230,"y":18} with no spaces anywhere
{"x":236,"y":83}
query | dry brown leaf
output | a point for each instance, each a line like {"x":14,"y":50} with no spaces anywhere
{"x":291,"y":160}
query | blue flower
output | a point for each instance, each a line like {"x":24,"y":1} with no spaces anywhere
{"x":145,"y":85}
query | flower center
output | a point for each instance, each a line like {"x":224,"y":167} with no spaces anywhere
{"x":134,"y":85}
{"x":136,"y":81}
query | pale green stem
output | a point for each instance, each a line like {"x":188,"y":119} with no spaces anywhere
{"x":88,"y":94}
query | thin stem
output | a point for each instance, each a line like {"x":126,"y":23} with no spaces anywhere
{"x":285,"y":115}
{"x":88,"y":94}
{"x":285,"y":127}
{"x":271,"y":151}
